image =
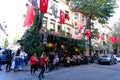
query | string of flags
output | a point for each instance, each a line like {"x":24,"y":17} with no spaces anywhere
{"x":88,"y":34}
{"x":43,"y":7}
{"x":29,"y":18}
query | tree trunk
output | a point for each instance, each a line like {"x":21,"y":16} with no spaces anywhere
{"x":38,"y":19}
{"x":88,"y":25}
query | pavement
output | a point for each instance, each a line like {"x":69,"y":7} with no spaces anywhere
{"x":23,"y":74}
{"x":83,"y":72}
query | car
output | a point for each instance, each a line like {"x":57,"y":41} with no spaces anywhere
{"x":117,"y":57}
{"x":4,"y":55}
{"x":107,"y":58}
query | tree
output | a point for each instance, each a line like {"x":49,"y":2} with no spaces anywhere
{"x":6,"y":43}
{"x":15,"y":39}
{"x":116,"y":32}
{"x":100,"y":10}
{"x":31,"y":40}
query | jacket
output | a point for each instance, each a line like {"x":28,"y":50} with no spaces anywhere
{"x":33,"y":60}
{"x":43,"y":61}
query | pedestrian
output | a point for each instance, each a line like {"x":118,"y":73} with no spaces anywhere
{"x":9,"y":60}
{"x":0,"y":59}
{"x":21,"y":59}
{"x":25,"y":58}
{"x":33,"y":62}
{"x":51,"y":58}
{"x":17,"y":60}
{"x":43,"y":61}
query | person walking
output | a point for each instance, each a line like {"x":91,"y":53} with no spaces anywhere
{"x":25,"y":58}
{"x":33,"y":62}
{"x":17,"y":60}
{"x":9,"y":60}
{"x":21,"y":59}
{"x":43,"y":61}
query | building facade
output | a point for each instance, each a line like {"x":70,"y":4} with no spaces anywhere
{"x":74,"y":20}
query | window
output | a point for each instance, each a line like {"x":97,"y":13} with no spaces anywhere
{"x":44,"y":25}
{"x":76,"y":16}
{"x":68,"y":30}
{"x":59,"y":27}
{"x":52,"y":24}
{"x":76,"y":30}
{"x":83,"y":18}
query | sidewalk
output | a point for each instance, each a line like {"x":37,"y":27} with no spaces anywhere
{"x":25,"y":74}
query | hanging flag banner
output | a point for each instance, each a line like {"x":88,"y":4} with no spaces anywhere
{"x":62,"y":17}
{"x":88,"y":33}
{"x":116,"y":39}
{"x":43,"y":5}
{"x":29,"y":17}
{"x":80,"y":29}
{"x":102,"y":37}
{"x":67,"y":16}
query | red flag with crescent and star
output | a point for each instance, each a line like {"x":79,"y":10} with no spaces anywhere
{"x":43,"y":5}
{"x":62,"y":17}
{"x":29,"y":17}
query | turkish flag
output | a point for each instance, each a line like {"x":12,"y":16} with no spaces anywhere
{"x":116,"y":39}
{"x":67,"y":16}
{"x":62,"y":17}
{"x":88,"y":33}
{"x":29,"y":16}
{"x":43,"y":5}
{"x":80,"y":29}
{"x":111,"y":38}
{"x":102,"y":37}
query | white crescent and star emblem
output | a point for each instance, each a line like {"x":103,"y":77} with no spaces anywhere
{"x":44,"y":2}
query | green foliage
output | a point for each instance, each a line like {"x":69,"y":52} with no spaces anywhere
{"x":101,"y":10}
{"x":6,"y":43}
{"x":67,"y":41}
{"x":31,"y":42}
{"x":116,"y":32}
{"x":15,"y":39}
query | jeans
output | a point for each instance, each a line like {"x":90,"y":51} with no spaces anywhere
{"x":42,"y":71}
{"x":32,"y":69}
{"x":26,"y":60}
{"x":0,"y":63}
{"x":21,"y":62}
{"x":8,"y":66}
{"x":17,"y":63}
